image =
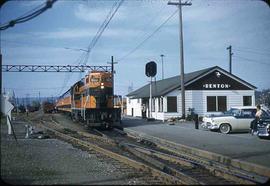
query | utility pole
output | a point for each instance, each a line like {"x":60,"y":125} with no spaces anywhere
{"x":17,"y":104}
{"x":39,"y":97}
{"x":112,"y":63}
{"x":162,"y":65}
{"x":0,"y":73}
{"x":230,"y":58}
{"x":1,"y":60}
{"x":150,"y":106}
{"x":180,"y":4}
{"x":27,"y":99}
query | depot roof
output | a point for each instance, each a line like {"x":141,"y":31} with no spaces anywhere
{"x":162,"y":87}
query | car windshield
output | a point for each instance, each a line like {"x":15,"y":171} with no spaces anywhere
{"x":265,"y":113}
{"x":268,"y":112}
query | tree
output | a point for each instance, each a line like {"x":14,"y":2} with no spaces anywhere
{"x":21,"y":108}
{"x":36,"y":105}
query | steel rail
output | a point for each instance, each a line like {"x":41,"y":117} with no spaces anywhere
{"x":188,"y":180}
{"x":212,"y":164}
{"x":87,"y":135}
{"x":185,"y":160}
{"x":168,"y":179}
{"x":217,"y":171}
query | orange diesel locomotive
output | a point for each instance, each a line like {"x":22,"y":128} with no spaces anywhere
{"x":91,"y":100}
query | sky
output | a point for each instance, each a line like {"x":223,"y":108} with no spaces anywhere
{"x":209,"y":27}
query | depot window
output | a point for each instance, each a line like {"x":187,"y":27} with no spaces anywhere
{"x":160,"y":104}
{"x":247,"y":101}
{"x":216,"y":103}
{"x":153,"y":104}
{"x":171,"y":104}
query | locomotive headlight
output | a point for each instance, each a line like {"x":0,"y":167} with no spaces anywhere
{"x":102,"y":87}
{"x":102,"y":84}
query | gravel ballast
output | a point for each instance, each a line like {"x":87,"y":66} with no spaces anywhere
{"x":51,"y":161}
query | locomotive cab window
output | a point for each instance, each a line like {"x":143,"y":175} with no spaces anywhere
{"x":94,"y":79}
{"x":107,"y":79}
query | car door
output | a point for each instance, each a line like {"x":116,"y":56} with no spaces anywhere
{"x":244,"y":119}
{"x":236,"y":120}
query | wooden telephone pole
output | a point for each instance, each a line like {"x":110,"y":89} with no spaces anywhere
{"x":180,"y":4}
{"x":230,"y":58}
{"x":112,"y":71}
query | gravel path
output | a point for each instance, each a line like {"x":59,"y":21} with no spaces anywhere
{"x":51,"y":161}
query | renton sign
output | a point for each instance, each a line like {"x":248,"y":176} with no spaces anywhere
{"x":219,"y":86}
{"x":217,"y":80}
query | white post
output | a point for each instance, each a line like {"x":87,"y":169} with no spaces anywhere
{"x":6,"y":108}
{"x":27,"y":131}
{"x":8,"y":122}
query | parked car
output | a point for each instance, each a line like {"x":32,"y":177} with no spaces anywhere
{"x":264,"y":128}
{"x":237,"y":119}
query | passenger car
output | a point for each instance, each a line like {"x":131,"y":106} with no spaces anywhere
{"x":236,"y":119}
{"x":264,"y":128}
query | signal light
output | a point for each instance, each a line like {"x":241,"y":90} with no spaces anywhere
{"x":151,"y":69}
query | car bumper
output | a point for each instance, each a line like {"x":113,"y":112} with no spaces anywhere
{"x":208,"y":125}
{"x":263,"y":133}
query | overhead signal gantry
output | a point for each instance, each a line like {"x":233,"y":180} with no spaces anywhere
{"x":54,"y":68}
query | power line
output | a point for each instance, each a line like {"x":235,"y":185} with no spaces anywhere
{"x":248,"y":48}
{"x":254,"y":52}
{"x":30,"y":16}
{"x":18,"y":43}
{"x":103,"y":26}
{"x":40,"y":88}
{"x":251,"y":60}
{"x":84,"y":57}
{"x":151,"y":21}
{"x":147,"y":38}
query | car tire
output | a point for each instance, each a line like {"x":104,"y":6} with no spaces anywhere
{"x":225,"y":128}
{"x":264,"y":137}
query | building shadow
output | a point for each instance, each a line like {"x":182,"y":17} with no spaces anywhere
{"x":138,"y":121}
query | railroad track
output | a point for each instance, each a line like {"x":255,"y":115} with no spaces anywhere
{"x":162,"y":164}
{"x":95,"y":145}
{"x":196,"y":169}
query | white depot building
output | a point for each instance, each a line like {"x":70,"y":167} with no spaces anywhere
{"x":208,"y":91}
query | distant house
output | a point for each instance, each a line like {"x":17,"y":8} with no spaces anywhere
{"x":207,"y":91}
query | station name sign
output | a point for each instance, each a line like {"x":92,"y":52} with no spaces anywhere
{"x":217,"y":80}
{"x":217,"y":86}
